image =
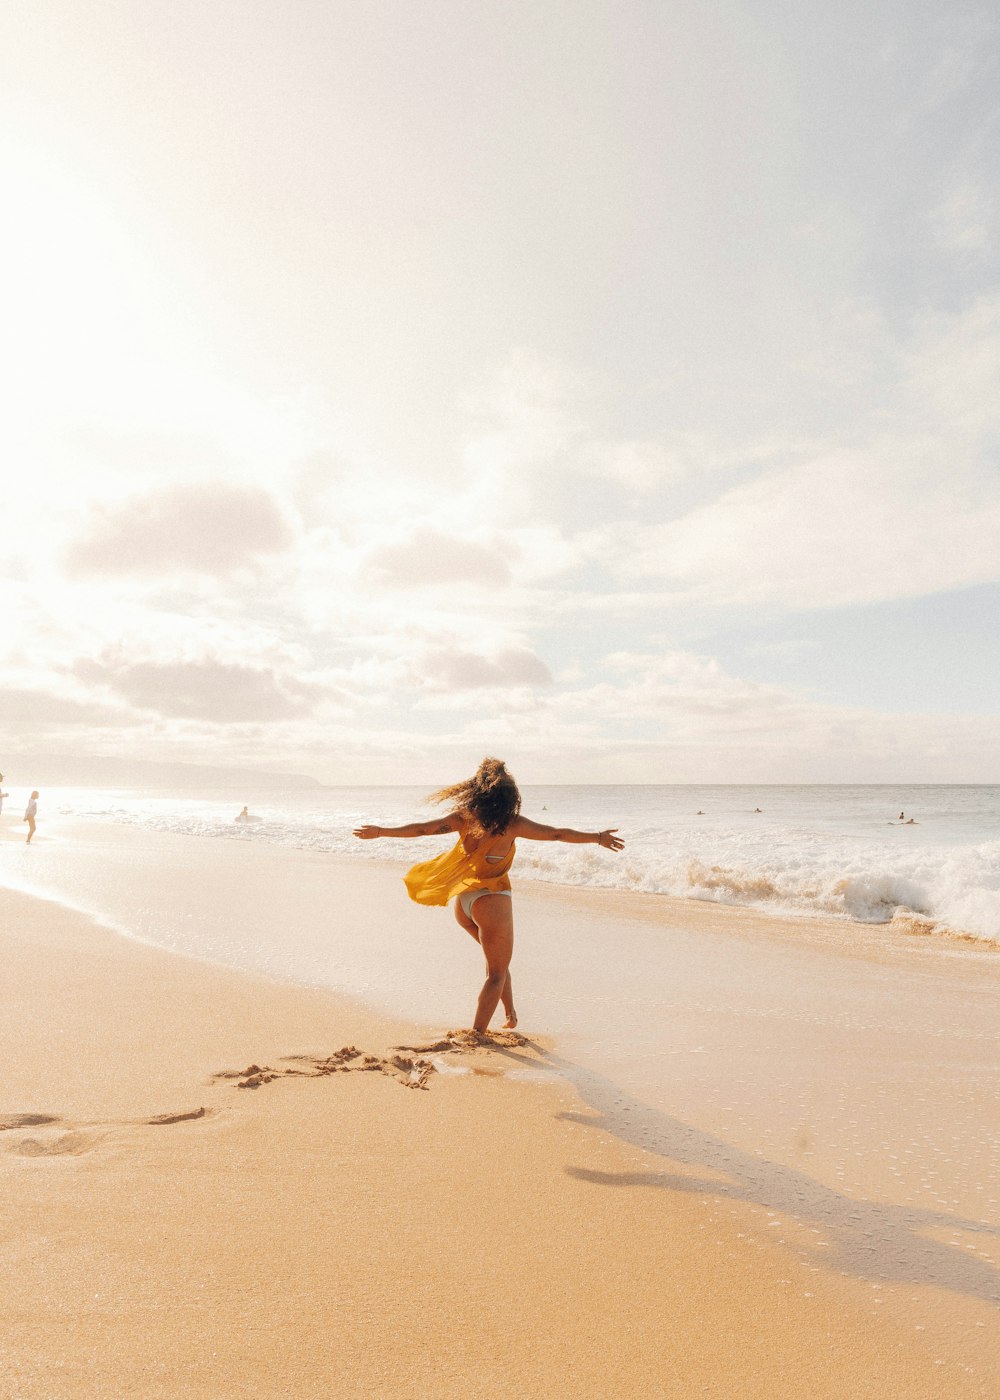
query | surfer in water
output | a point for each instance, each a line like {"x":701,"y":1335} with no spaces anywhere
{"x":486,"y":817}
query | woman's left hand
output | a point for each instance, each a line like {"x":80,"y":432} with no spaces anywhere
{"x":610,"y":840}
{"x":368,"y":833}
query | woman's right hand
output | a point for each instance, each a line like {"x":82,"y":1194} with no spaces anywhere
{"x":368,"y":833}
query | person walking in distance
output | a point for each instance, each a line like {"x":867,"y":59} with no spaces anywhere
{"x":29,"y":815}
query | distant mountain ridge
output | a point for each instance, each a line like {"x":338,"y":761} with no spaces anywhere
{"x":56,"y":770}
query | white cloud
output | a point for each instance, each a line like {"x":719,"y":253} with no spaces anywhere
{"x":850,"y":527}
{"x":454,"y":669}
{"x":207,"y":690}
{"x":411,"y":665}
{"x":952,"y":372}
{"x":712,"y":387}
{"x":965,"y":56}
{"x":428,"y":556}
{"x":23,"y":707}
{"x":208,"y":528}
{"x":681,"y":717}
{"x":962,"y":221}
{"x":666,"y":716}
{"x":914,"y":508}
{"x":531,"y":408}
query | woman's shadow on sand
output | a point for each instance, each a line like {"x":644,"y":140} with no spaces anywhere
{"x":870,"y":1240}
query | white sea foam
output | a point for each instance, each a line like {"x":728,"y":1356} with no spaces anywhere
{"x":831,"y":851}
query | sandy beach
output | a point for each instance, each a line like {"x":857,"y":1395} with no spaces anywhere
{"x":427,"y":1220}
{"x":549,"y":451}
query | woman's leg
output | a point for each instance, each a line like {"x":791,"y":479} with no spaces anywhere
{"x":31,"y":828}
{"x":495,"y":917}
{"x":507,"y":991}
{"x":464,"y":920}
{"x":507,"y":997}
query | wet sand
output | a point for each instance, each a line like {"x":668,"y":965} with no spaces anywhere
{"x":445,"y":1216}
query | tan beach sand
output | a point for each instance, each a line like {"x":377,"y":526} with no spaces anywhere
{"x":348,"y":1236}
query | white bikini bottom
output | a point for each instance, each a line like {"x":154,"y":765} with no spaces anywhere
{"x":468,"y":898}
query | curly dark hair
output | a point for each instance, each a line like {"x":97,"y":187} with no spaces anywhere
{"x":490,"y":799}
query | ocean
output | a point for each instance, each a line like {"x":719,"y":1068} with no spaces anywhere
{"x":794,"y":850}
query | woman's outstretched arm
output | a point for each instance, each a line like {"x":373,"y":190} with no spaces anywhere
{"x":538,"y":831}
{"x":438,"y":827}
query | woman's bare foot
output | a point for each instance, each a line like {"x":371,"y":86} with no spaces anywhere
{"x":511,"y":1021}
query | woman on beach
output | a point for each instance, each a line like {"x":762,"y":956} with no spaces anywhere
{"x":487,"y":818}
{"x":31,"y":811}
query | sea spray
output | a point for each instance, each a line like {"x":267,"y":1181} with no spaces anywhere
{"x":838,"y":851}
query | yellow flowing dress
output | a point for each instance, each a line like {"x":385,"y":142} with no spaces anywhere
{"x":441,"y":879}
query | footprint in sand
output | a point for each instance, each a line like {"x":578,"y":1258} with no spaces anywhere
{"x":71,"y":1144}
{"x":163,"y":1119}
{"x":70,"y":1141}
{"x":11,"y":1121}
{"x":411,"y":1072}
{"x":412,"y":1069}
{"x":460,"y":1041}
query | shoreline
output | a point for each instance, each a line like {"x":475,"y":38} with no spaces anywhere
{"x":931,"y":885}
{"x":907,"y":929}
{"x":335,"y":1238}
{"x":316,"y":921}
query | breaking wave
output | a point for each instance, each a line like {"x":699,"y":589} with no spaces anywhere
{"x":948,"y":892}
{"x":928,"y":878}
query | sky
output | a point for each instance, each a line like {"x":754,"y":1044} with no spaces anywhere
{"x":610,"y":387}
